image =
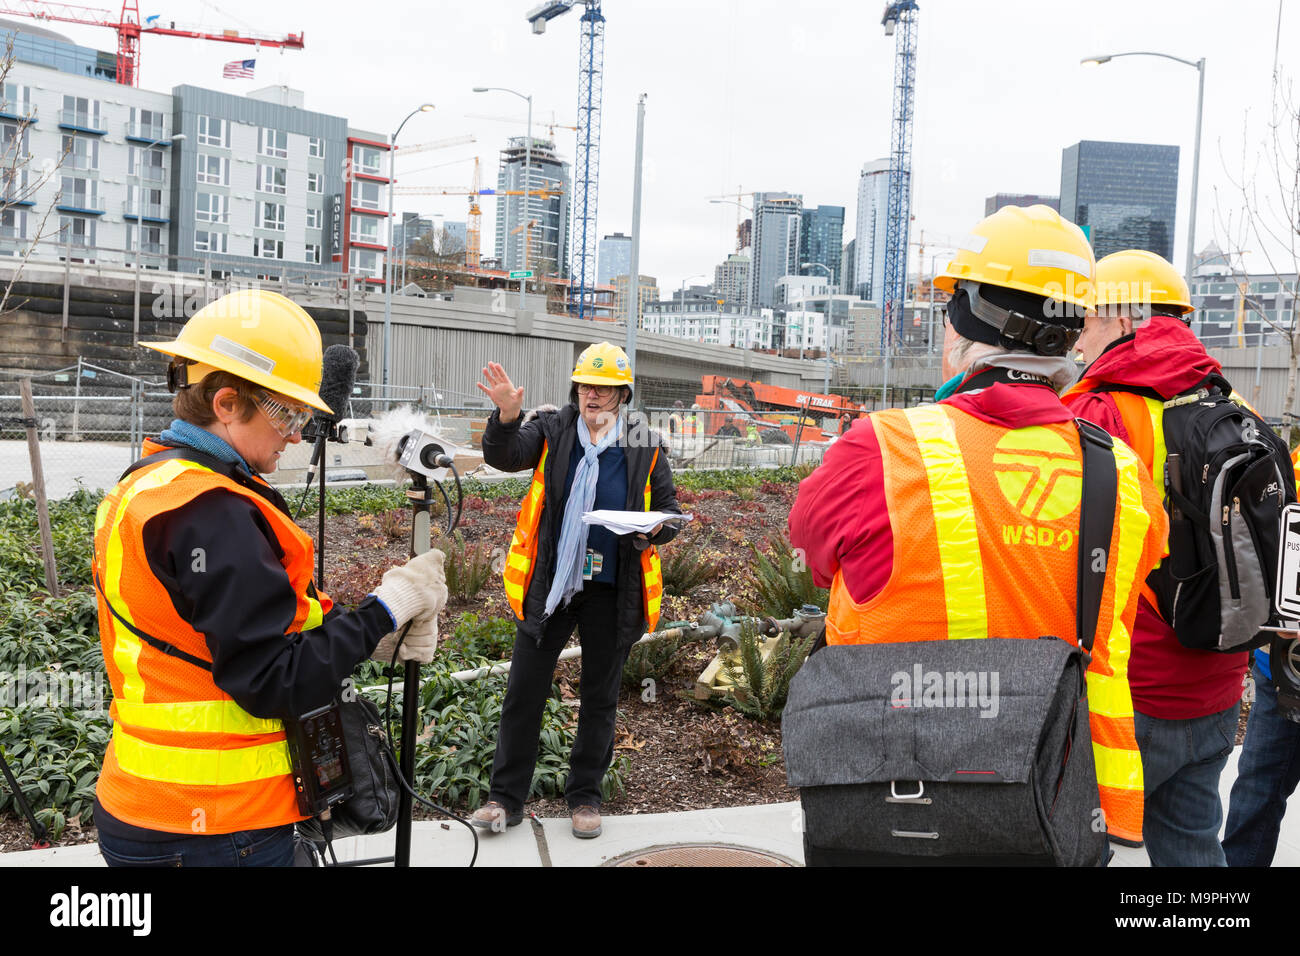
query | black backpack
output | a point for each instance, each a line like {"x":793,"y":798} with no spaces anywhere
{"x":1227,"y":477}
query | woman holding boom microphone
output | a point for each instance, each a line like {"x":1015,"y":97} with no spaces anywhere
{"x":593,"y":454}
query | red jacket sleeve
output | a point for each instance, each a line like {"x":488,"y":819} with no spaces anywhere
{"x":840,"y":521}
{"x":1100,"y":409}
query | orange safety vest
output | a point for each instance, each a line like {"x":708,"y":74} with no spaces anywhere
{"x":523,"y":548}
{"x":1005,"y":565}
{"x":184,"y":756}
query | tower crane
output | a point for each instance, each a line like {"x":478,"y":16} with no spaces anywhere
{"x":129,"y":30}
{"x":586,"y":156}
{"x":899,"y":22}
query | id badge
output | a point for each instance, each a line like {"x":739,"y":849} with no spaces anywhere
{"x":592,"y":564}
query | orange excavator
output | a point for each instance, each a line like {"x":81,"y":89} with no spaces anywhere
{"x":777,"y":415}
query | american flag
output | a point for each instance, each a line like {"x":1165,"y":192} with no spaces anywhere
{"x":238,"y":69}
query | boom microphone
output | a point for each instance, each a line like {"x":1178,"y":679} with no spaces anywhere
{"x":338,"y":374}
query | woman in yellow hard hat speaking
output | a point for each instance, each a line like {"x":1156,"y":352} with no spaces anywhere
{"x":593,"y":454}
{"x":213,"y":631}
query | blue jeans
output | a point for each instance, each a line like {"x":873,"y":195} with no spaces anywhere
{"x":1267,"y":773}
{"x":270,"y":847}
{"x":1181,"y":764}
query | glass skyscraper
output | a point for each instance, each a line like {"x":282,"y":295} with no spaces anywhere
{"x":1123,"y":194}
{"x":821,"y":235}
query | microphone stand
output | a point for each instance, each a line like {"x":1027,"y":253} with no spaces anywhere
{"x":421,"y":498}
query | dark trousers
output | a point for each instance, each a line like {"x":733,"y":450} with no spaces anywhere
{"x":532,"y":669}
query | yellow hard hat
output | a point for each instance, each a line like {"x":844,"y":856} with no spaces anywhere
{"x":1029,"y":248}
{"x":1138,"y":277}
{"x":258,"y":335}
{"x":603,"y":364}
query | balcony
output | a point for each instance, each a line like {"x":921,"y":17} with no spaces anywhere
{"x":80,"y":204}
{"x":149,"y":133}
{"x":81,"y":122}
{"x":81,"y":163}
{"x":149,"y":249}
{"x":153,"y":211}
{"x":150,"y":174}
{"x":18,"y":111}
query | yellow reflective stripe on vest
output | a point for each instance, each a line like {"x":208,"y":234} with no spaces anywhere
{"x":126,"y":646}
{"x":1109,"y":696}
{"x":1118,"y":769}
{"x":199,"y":768}
{"x":516,"y":560}
{"x":194,"y":717}
{"x":961,"y":567}
{"x":315,"y":616}
{"x":1133,"y":524}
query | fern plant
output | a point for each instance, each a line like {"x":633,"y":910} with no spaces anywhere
{"x":686,"y":566}
{"x":760,"y":687}
{"x":783,"y":581}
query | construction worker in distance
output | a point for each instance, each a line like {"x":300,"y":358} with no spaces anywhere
{"x":1138,"y":352}
{"x":592,"y":454}
{"x":909,"y":519}
{"x":213,"y":631}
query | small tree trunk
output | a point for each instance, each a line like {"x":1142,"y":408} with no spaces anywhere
{"x":1291,"y":376}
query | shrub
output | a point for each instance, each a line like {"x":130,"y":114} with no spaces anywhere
{"x":55,"y":755}
{"x":783,"y":581}
{"x":759,"y":687}
{"x":687,"y":565}
{"x":467,"y":568}
{"x":652,"y":660}
{"x":492,"y":638}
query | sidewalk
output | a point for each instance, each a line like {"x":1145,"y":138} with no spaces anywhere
{"x":771,"y":828}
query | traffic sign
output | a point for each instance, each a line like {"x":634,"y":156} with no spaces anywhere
{"x":1287,"y":592}
{"x":522,"y":274}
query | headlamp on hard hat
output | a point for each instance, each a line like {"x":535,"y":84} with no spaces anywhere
{"x":1044,"y":338}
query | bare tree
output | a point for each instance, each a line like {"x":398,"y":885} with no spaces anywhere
{"x":434,"y":260}
{"x":1266,"y":193}
{"x":20,"y":180}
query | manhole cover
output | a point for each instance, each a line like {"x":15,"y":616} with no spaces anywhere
{"x":699,"y":854}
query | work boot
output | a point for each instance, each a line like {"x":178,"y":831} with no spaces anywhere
{"x":494,"y":818}
{"x":586,"y":822}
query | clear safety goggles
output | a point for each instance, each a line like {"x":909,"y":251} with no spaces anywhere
{"x":284,"y":417}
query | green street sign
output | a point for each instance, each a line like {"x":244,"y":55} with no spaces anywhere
{"x":522,"y":274}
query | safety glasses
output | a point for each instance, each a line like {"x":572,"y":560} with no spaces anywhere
{"x":284,"y":417}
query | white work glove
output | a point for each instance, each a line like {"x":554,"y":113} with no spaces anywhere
{"x":415,"y":591}
{"x":420,"y":643}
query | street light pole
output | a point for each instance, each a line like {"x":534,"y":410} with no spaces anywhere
{"x":528,"y":174}
{"x":1199,"y":66}
{"x":388,"y":262}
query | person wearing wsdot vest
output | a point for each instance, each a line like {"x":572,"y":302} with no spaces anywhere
{"x":212,"y":629}
{"x":592,"y":454}
{"x":929,"y":523}
{"x":1138,"y":353}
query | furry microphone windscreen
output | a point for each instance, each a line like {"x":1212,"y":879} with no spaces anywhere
{"x":338,"y":374}
{"x":389,"y":429}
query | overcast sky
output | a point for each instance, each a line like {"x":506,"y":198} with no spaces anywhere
{"x":771,"y":95}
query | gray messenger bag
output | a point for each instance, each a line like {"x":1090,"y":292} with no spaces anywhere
{"x":957,"y":753}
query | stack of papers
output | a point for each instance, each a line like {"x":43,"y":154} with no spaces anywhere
{"x":630,"y":522}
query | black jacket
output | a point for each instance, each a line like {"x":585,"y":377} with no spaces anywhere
{"x":517,"y":446}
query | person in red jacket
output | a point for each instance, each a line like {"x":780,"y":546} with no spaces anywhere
{"x":928,"y":523}
{"x":1185,"y":700}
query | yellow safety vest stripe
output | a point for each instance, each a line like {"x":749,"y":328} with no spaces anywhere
{"x":197,"y":717}
{"x":190,"y":767}
{"x":126,"y":646}
{"x":962,"y":569}
{"x":1119,"y":769}
{"x":1133,"y":525}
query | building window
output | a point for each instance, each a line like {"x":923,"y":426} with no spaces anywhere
{"x":368,"y":262}
{"x":76,"y":231}
{"x":205,"y":241}
{"x":268,"y":248}
{"x":80,"y":111}
{"x":315,"y":217}
{"x":150,"y":164}
{"x":315,"y":146}
{"x":272,"y":217}
{"x":273,"y":142}
{"x":82,"y":152}
{"x":13,"y":224}
{"x":209,"y":207}
{"x":272,"y":179}
{"x":366,"y":229}
{"x":214,"y":132}
{"x":314,"y":182}
{"x":365,"y":195}
{"x":365,"y":159}
{"x":213,"y":170}
{"x":82,"y":193}
{"x":152,"y":236}
{"x":152,"y":206}
{"x":148,"y":123}
{"x":313,"y":253}
{"x":16,"y":100}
